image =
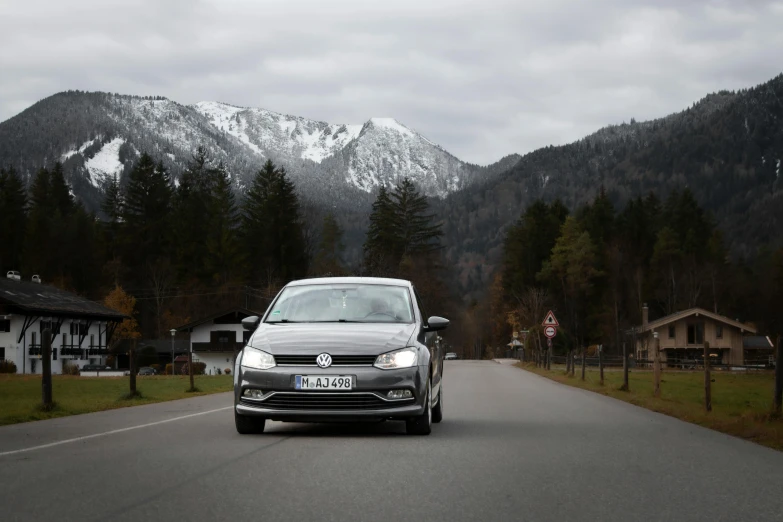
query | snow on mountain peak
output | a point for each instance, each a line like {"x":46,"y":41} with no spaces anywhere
{"x":392,"y":124}
{"x":291,"y":137}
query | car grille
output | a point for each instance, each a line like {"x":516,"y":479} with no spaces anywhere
{"x":326,"y":401}
{"x":337,"y":360}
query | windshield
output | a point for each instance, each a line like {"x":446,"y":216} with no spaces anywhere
{"x":359,"y":303}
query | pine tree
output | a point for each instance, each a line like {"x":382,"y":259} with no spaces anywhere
{"x":330,"y":248}
{"x":146,"y":215}
{"x":13,"y":216}
{"x":400,"y":227}
{"x":381,"y":251}
{"x":272,"y":227}
{"x":413,"y":224}
{"x":223,"y":251}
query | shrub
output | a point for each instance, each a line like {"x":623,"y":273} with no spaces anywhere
{"x":227,"y":371}
{"x":7,"y":367}
{"x":199,"y":368}
{"x":70,"y":369}
{"x":168,"y":369}
{"x":218,"y":371}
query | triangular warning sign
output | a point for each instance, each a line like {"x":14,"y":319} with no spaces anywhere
{"x":550,"y":320}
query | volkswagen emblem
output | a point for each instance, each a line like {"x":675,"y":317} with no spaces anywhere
{"x":324,"y":360}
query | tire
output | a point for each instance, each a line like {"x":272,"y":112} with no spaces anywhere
{"x":437,"y":411}
{"x":421,"y":424}
{"x":247,"y":425}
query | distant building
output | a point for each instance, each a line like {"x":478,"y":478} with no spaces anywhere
{"x":682,"y":336}
{"x":81,"y":329}
{"x":216,"y":339}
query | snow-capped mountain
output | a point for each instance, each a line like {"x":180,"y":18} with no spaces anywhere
{"x":99,"y":135}
{"x":381,"y":151}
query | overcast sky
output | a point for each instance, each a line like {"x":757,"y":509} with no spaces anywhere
{"x":482,"y":78}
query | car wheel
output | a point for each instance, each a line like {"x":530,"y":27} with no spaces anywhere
{"x":421,"y":424}
{"x":437,"y":411}
{"x":247,"y":425}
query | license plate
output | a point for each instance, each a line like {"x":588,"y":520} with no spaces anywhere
{"x":323,"y":382}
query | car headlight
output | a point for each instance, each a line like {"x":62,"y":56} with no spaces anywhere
{"x":404,"y":358}
{"x":252,"y":358}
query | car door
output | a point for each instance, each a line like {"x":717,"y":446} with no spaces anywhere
{"x":432,"y":341}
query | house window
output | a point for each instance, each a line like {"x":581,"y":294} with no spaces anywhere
{"x":5,"y":325}
{"x":246,"y":336}
{"x":2,"y":353}
{"x":32,"y":334}
{"x":78,"y":329}
{"x":223,"y":336}
{"x":696,"y":333}
{"x":671,"y":331}
{"x":719,"y":331}
{"x":45,"y":324}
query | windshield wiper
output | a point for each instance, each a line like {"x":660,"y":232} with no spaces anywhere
{"x":282,"y":321}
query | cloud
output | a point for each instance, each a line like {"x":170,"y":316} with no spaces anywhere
{"x":482,"y":79}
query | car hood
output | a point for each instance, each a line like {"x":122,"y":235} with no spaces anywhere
{"x":337,"y":338}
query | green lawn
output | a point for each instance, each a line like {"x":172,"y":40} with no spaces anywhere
{"x":20,"y":395}
{"x":741,"y":402}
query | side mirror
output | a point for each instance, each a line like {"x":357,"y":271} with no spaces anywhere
{"x":251,"y":323}
{"x":436,"y":323}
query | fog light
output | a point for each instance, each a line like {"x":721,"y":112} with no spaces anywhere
{"x":253,"y":394}
{"x":399,"y":394}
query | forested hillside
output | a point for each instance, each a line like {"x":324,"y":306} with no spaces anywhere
{"x":727,"y":149}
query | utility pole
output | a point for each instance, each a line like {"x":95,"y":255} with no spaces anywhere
{"x":190,"y":368}
{"x":707,"y":381}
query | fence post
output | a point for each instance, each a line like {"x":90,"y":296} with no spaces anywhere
{"x":707,"y":384}
{"x":46,"y":369}
{"x":549,"y":358}
{"x":779,"y":377}
{"x":656,"y":365}
{"x":568,"y":359}
{"x":601,"y":363}
{"x":584,"y":361}
{"x":625,"y":386}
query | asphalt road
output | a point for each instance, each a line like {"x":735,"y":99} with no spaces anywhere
{"x":512,"y":446}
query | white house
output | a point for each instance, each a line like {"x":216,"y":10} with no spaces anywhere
{"x":216,"y":339}
{"x":81,"y":329}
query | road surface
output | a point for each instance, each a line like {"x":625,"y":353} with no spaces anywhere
{"x":512,"y":446}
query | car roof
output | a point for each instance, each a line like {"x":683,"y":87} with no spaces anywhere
{"x":351,"y":280}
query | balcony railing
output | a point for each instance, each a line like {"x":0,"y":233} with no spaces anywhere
{"x":217,"y":347}
{"x":35,"y":349}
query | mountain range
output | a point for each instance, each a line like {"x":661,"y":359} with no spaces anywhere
{"x":727,"y":148}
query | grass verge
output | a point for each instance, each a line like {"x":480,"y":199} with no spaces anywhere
{"x":741,"y":402}
{"x":20,"y":395}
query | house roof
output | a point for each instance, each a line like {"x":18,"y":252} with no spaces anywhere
{"x":757,"y":341}
{"x":40,"y":299}
{"x":238,"y":310}
{"x":663,"y":321}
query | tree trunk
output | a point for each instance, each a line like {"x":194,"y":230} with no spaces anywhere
{"x":601,"y":363}
{"x":779,"y":377}
{"x":46,"y":369}
{"x":656,"y":368}
{"x":625,"y":386}
{"x":190,"y":369}
{"x":707,"y":382}
{"x":132,"y":364}
{"x":584,"y":362}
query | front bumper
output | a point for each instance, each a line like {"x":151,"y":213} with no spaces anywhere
{"x":366,"y":401}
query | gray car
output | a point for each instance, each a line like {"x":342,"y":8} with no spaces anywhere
{"x":341,"y":349}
